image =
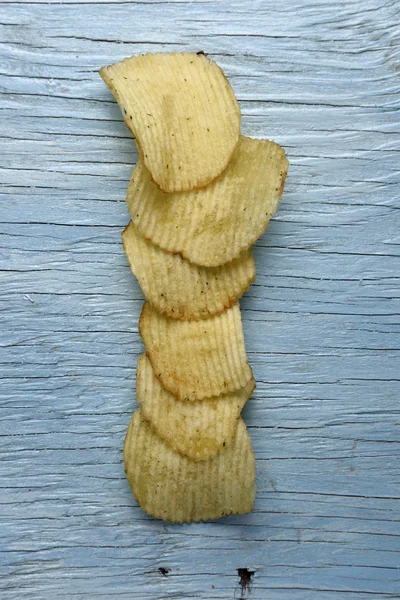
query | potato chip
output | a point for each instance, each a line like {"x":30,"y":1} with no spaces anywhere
{"x":196,"y":359}
{"x":198,"y":430}
{"x":181,"y":290}
{"x":213,"y":225}
{"x":174,"y":488}
{"x":182,"y":111}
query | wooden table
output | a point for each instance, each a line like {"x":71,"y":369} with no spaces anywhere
{"x":321,"y":321}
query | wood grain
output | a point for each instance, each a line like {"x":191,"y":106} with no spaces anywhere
{"x":321,"y":321}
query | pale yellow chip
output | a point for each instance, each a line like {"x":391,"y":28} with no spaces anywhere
{"x":183,"y":113}
{"x":181,"y":290}
{"x":213,"y":225}
{"x":174,"y":488}
{"x":196,"y":359}
{"x":198,"y":430}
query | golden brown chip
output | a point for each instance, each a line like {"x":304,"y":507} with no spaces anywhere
{"x":213,"y":225}
{"x":181,"y":290}
{"x":196,"y":359}
{"x":198,"y":430}
{"x":183,"y":113}
{"x":174,"y":488}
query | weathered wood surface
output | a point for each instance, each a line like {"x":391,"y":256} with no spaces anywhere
{"x":321,"y":321}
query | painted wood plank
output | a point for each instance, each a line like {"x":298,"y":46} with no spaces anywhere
{"x":321,"y":321}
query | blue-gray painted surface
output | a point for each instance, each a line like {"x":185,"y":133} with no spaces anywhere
{"x":321,"y":321}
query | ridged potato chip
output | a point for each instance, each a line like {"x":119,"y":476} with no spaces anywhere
{"x":198,"y":430}
{"x":213,"y":225}
{"x":181,"y":290}
{"x":183,"y":113}
{"x":172,"y":487}
{"x":196,"y":359}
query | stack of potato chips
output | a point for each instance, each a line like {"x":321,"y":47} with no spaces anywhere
{"x":199,"y":197}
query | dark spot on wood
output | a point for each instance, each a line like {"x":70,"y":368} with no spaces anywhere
{"x":245,"y":579}
{"x":201,"y":52}
{"x":273,"y":484}
{"x":164,"y":571}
